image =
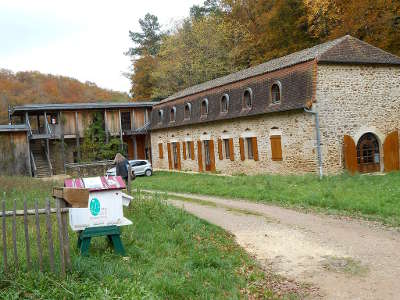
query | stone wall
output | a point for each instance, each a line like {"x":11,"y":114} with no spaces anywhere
{"x":353,"y":100}
{"x":298,"y":143}
{"x":94,"y":169}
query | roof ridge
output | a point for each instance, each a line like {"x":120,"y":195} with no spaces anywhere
{"x":318,"y":52}
{"x":333,"y":43}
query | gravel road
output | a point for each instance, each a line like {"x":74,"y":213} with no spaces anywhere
{"x":345,"y":258}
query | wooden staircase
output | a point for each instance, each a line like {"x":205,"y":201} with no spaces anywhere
{"x":39,"y":155}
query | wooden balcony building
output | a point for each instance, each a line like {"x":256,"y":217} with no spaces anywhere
{"x":55,"y":131}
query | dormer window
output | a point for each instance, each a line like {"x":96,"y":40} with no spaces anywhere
{"x":276,"y":93}
{"x":160,"y":116}
{"x":172,"y":116}
{"x":247,"y":98}
{"x":188,"y":111}
{"x":224,"y":103}
{"x":204,"y":107}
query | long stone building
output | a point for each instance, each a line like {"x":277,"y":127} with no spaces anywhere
{"x":53,"y":133}
{"x":323,"y":109}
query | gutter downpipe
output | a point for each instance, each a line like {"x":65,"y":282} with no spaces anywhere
{"x":317,"y":129}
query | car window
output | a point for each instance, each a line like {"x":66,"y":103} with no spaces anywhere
{"x":142,"y":163}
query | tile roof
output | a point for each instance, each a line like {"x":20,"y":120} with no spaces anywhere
{"x":346,"y":49}
{"x":80,"y":106}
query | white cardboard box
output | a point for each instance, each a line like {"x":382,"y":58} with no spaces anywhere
{"x":104,"y":209}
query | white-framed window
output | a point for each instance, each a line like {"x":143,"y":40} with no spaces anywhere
{"x":188,"y":111}
{"x":249,"y":144}
{"x":172,"y":115}
{"x":227,"y":149}
{"x":276,"y":92}
{"x":247,"y":98}
{"x":204,"y":107}
{"x":160,"y":115}
{"x":188,"y":149}
{"x":224,"y":103}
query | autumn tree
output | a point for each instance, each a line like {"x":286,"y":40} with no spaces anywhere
{"x":147,"y":45}
{"x":222,"y":36}
{"x":197,"y":51}
{"x":34,"y":87}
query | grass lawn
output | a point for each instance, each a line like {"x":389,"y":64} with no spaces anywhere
{"x":372,"y":196}
{"x":170,"y":255}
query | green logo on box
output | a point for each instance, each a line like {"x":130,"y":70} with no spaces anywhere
{"x":94,"y":206}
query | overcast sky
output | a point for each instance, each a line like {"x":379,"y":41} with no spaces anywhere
{"x":83,"y":39}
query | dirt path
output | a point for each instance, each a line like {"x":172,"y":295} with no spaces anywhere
{"x":346,"y":259}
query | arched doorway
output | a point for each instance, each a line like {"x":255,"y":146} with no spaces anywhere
{"x":368,"y":156}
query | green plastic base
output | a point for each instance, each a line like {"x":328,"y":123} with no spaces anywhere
{"x":113,"y":234}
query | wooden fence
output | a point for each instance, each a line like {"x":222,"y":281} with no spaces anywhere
{"x":62,"y":232}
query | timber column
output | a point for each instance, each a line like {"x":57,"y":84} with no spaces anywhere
{"x":78,"y":145}
{"x":61,"y":122}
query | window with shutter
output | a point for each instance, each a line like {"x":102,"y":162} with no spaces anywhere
{"x":184,"y":150}
{"x":231,"y":150}
{"x":220,"y":154}
{"x":212,"y":155}
{"x":255,"y":148}
{"x":250,"y":153}
{"x":191,"y":143}
{"x":200,"y":155}
{"x":227,"y":149}
{"x":178,"y":152}
{"x":241,"y":146}
{"x":160,"y":151}
{"x":169,"y":156}
{"x":276,"y":147}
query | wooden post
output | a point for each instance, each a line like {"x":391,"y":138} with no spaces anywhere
{"x":133,"y":120}
{"x":78,"y":146}
{"x":28,"y":160}
{"x":60,"y":116}
{"x":129,"y":178}
{"x":49,"y":236}
{"x":5,"y":265}
{"x":106,"y":125}
{"x":60,"y":238}
{"x":134,"y":147}
{"x":120,"y":130}
{"x":38,"y":123}
{"x":27,"y":246}
{"x":38,"y":236}
{"x":14,"y":233}
{"x":64,"y":220}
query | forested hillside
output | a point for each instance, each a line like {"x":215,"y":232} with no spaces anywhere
{"x":34,"y":87}
{"x":223,"y":36}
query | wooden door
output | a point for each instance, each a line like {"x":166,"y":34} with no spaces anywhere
{"x":200,"y":155}
{"x":140,"y":146}
{"x":391,"y":152}
{"x":212,"y":155}
{"x":129,"y":142}
{"x":350,"y":154}
{"x":169,"y":156}
{"x":368,"y":156}
{"x":207,"y":159}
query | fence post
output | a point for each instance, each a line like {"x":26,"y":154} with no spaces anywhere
{"x":28,"y":250}
{"x":4,"y":236}
{"x":60,"y":238}
{"x":129,"y":178}
{"x":14,"y":232}
{"x":64,"y":222}
{"x":38,"y":236}
{"x":49,"y":236}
